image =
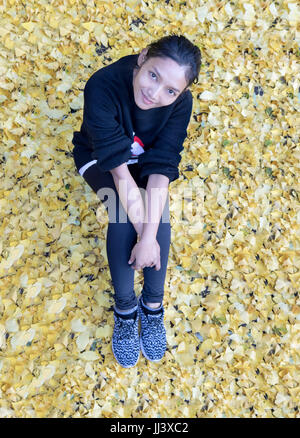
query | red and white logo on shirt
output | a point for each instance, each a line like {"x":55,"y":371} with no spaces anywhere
{"x":137,"y":148}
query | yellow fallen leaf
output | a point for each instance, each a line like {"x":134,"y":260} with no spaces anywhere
{"x":104,"y":332}
{"x":77,"y":326}
{"x":46,"y":373}
{"x":33,"y":290}
{"x":21,"y":338}
{"x":89,"y":355}
{"x":196,"y":324}
{"x":89,"y":26}
{"x":206,"y":345}
{"x":29,"y":25}
{"x":11,"y":325}
{"x":82,"y":340}
{"x":14,"y":254}
{"x":56,"y":306}
{"x":51,"y":337}
{"x":181,"y":347}
{"x":186,"y":262}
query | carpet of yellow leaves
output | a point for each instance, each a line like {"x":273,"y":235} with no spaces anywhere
{"x":232,"y":286}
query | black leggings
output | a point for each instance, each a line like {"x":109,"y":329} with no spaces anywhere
{"x":121,"y":238}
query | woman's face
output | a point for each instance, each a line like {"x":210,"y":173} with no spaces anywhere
{"x":161,"y":80}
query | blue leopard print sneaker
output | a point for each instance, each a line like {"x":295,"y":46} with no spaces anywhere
{"x":153,"y":333}
{"x":125,"y":340}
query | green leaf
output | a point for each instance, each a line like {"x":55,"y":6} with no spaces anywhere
{"x":245,"y":231}
{"x":226,"y":142}
{"x":218,"y":320}
{"x":226,"y":171}
{"x":268,"y":171}
{"x":279,"y":331}
{"x":269,"y":111}
{"x":268,"y":142}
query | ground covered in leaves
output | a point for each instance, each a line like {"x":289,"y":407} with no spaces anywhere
{"x":232,"y":287}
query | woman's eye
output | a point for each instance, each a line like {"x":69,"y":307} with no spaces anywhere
{"x":151,"y":73}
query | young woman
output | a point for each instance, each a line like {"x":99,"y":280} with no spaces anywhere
{"x":135,"y":118}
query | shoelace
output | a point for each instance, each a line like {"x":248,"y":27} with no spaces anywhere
{"x":125,"y":329}
{"x":154,"y":321}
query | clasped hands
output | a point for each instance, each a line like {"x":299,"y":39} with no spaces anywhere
{"x":146,"y":253}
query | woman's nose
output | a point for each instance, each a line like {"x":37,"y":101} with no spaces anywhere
{"x":154,"y":94}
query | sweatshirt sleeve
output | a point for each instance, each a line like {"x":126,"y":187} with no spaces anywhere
{"x":164,"y":155}
{"x":111,"y":146}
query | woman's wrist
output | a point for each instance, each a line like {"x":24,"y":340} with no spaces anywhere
{"x":139,"y":230}
{"x":148,"y":237}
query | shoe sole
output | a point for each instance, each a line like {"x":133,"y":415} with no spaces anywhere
{"x":124,"y":366}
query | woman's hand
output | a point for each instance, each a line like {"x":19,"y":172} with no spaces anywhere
{"x":145,"y":253}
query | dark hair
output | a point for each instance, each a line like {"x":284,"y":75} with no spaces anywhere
{"x":181,"y":50}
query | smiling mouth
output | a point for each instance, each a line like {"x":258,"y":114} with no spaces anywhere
{"x":146,"y":99}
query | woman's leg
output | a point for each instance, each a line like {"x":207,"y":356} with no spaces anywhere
{"x":153,"y":290}
{"x":120,"y":239}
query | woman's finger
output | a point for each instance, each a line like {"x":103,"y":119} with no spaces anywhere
{"x":158,"y":264}
{"x":131,"y":258}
